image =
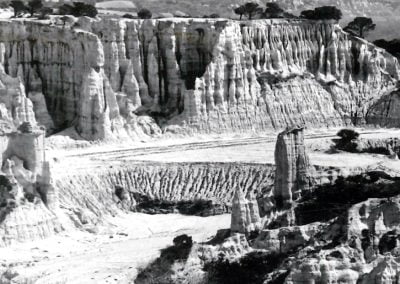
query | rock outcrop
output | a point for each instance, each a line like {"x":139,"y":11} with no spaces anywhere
{"x":293,"y":174}
{"x":245,"y":217}
{"x":27,"y":197}
{"x":124,"y":78}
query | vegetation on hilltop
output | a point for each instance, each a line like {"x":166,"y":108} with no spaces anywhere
{"x":36,"y":7}
{"x":360,"y":26}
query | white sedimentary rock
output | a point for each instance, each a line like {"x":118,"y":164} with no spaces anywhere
{"x":245,"y":216}
{"x":200,"y":75}
{"x":293,"y":173}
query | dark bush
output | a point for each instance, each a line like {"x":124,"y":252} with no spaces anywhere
{"x":128,"y":16}
{"x":392,"y":46}
{"x":78,"y":9}
{"x":388,"y":242}
{"x":214,"y":16}
{"x":347,"y":141}
{"x":322,"y":13}
{"x":145,"y":14}
{"x":183,"y":241}
{"x":198,"y":207}
{"x":328,"y":201}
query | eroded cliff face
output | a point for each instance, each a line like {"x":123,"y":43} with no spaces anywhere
{"x":127,"y":78}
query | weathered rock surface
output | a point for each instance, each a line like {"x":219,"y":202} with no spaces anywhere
{"x":27,"y":197}
{"x":385,"y":111}
{"x":245,"y":214}
{"x":197,"y":75}
{"x":293,"y":174}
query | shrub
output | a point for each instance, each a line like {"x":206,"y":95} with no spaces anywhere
{"x":183,"y":241}
{"x":82,"y":9}
{"x":347,"y":141}
{"x":128,"y":16}
{"x":214,"y":16}
{"x":145,"y":14}
{"x":78,"y":9}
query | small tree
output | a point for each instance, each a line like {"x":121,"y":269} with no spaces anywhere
{"x":82,"y":9}
{"x":240,"y":11}
{"x":145,"y":14}
{"x":251,"y":9}
{"x":34,"y":6}
{"x":347,"y":141}
{"x":273,"y":10}
{"x":360,"y":26}
{"x":19,"y":7}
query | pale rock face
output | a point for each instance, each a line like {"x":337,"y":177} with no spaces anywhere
{"x":94,"y":120}
{"x":27,"y":222}
{"x":385,"y":112}
{"x":293,"y":173}
{"x":40,"y":108}
{"x":26,"y":190}
{"x":245,"y":216}
{"x":199,"y":75}
{"x":367,"y":255}
{"x":285,"y":239}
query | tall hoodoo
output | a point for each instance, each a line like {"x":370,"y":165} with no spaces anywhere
{"x":245,"y":217}
{"x":293,"y":173}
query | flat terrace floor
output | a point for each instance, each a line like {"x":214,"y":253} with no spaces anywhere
{"x":227,"y":149}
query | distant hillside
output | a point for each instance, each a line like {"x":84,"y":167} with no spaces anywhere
{"x":384,"y":12}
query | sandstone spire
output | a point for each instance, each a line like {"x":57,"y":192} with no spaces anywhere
{"x":293,"y":169}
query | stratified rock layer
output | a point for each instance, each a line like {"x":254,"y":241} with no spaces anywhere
{"x":293,"y":170}
{"x":113,"y":77}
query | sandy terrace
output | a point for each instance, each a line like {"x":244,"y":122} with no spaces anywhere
{"x":245,"y":149}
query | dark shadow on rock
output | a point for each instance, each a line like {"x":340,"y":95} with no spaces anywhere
{"x":328,"y":201}
{"x":160,"y":270}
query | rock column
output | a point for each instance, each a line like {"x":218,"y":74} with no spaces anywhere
{"x":293,"y":174}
